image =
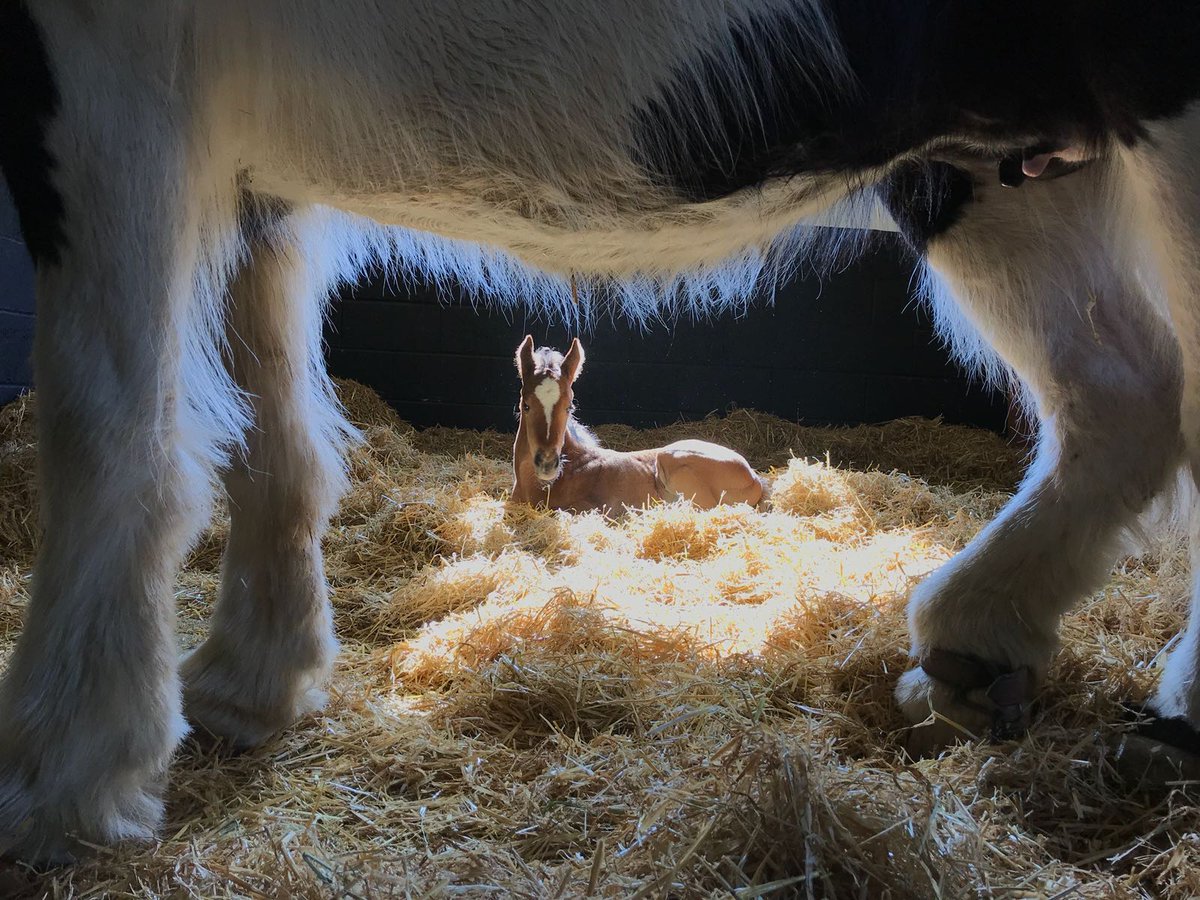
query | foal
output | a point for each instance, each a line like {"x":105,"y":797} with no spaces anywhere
{"x":558,"y":461}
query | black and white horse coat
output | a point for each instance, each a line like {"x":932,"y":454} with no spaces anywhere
{"x":183,"y":171}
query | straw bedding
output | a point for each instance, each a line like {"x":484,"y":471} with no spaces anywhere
{"x":676,"y":703}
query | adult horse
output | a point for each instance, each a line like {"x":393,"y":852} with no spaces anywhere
{"x":173,"y":165}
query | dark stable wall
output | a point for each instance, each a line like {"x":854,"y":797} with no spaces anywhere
{"x":16,"y":303}
{"x":850,"y":348}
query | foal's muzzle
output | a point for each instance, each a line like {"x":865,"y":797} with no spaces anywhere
{"x":547,"y":466}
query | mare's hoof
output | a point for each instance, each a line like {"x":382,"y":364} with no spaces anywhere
{"x":1160,"y":753}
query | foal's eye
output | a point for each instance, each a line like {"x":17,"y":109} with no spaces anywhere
{"x":525,"y":407}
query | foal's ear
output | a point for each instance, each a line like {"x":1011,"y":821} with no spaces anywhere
{"x":525,"y":358}
{"x":573,"y":361}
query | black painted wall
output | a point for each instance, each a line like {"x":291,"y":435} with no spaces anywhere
{"x":855,"y":347}
{"x":16,"y":303}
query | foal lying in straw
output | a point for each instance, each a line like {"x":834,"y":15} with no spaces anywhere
{"x":558,"y":461}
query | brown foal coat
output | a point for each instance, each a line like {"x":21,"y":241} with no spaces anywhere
{"x":559,"y":463}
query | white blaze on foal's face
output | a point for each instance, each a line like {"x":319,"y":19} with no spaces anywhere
{"x":548,"y":392}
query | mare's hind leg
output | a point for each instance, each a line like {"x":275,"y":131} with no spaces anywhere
{"x":1164,"y":172}
{"x":271,"y":643}
{"x":1035,"y":275}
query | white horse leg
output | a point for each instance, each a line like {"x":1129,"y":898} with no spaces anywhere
{"x":1036,"y":276}
{"x":130,"y":397}
{"x":1165,"y":173}
{"x":271,"y":642}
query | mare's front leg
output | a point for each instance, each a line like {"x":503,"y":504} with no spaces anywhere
{"x":1035,"y":275}
{"x":271,"y":643}
{"x":1163,"y":171}
{"x":90,"y":706}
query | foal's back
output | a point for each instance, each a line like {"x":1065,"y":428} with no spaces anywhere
{"x":704,"y":473}
{"x":707,"y":474}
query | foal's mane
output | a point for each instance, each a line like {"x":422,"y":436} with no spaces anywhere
{"x":547,"y":361}
{"x":581,"y":434}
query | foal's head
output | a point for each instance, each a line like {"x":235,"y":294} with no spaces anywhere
{"x":546,"y":401}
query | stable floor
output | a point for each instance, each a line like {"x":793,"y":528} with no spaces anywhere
{"x":673,"y":704}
